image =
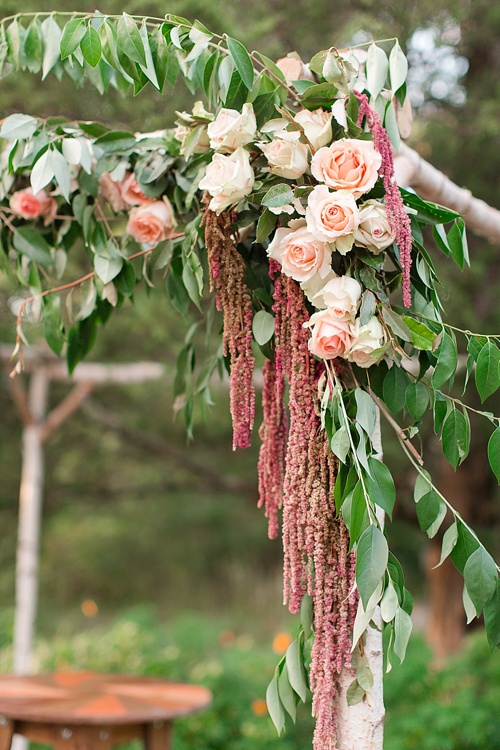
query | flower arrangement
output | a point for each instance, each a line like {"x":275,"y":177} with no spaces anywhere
{"x":279,"y":190}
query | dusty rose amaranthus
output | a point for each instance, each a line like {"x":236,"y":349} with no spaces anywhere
{"x":396,"y":214}
{"x":227,"y":269}
{"x":331,"y":586}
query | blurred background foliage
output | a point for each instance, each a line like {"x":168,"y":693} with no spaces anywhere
{"x":133,"y":516}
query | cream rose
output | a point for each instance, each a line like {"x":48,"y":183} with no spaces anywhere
{"x":31,"y":205}
{"x":314,"y":285}
{"x":332,"y":217}
{"x":294,"y":69}
{"x":286,"y":155}
{"x":232,"y":129}
{"x":330,"y":337}
{"x":131,"y":192}
{"x":111,"y":191}
{"x":228,"y":179}
{"x":301,"y":255}
{"x":341,"y":296}
{"x":374,"y":231}
{"x":194,"y":140}
{"x":367,"y":339}
{"x":317,"y":126}
{"x":152,"y":222}
{"x":348,"y":164}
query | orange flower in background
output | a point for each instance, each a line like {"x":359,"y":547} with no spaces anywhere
{"x":281,"y":642}
{"x":259,"y":707}
{"x":89,"y":608}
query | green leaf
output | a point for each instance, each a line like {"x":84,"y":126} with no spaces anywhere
{"x":457,"y":242}
{"x":492,"y":619}
{"x":481,"y":577}
{"x":33,"y":47}
{"x":441,"y":407}
{"x":450,"y":537}
{"x":237,"y":92}
{"x":455,"y":438}
{"x":447,"y":361}
{"x":355,"y":514}
{"x":51,"y":34}
{"x":402,"y":632}
{"x":371,"y":561}
{"x":17,"y":127}
{"x":377,"y":67}
{"x":263,"y":327}
{"x":278,"y":196}
{"x":394,"y":388}
{"x":90,"y":46}
{"x":398,"y":67}
{"x":429,"y":212}
{"x":340,"y":443}
{"x":129,"y":39}
{"x":366,"y":411}
{"x":29,"y":242}
{"x":430,"y":512}
{"x":264,"y":107}
{"x":306,"y":614}
{"x":116,"y":141}
{"x":494,"y":453}
{"x":355,"y":693}
{"x":368,"y":307}
{"x":381,"y":486}
{"x":72,"y":35}
{"x":286,"y":694}
{"x":265,"y":225}
{"x":241,"y":60}
{"x":107,"y":268}
{"x":416,"y":399}
{"x":396,"y":324}
{"x":422,"y":336}
{"x":465,"y":546}
{"x":42,"y":172}
{"x":296,"y":669}
{"x":475,"y":346}
{"x":274,"y":705}
{"x":487,"y":370}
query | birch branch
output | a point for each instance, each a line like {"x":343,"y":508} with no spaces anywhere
{"x":433,"y":185}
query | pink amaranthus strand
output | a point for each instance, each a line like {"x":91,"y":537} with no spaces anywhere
{"x":228,"y":276}
{"x":398,"y":218}
{"x":302,"y":373}
{"x":335,"y":600}
{"x":271,"y":465}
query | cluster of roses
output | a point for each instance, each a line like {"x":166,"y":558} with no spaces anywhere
{"x":331,"y":220}
{"x":150,"y":221}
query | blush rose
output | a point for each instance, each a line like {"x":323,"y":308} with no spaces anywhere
{"x":341,"y":296}
{"x":348,"y":164}
{"x":366,"y":339}
{"x":232,"y":129}
{"x":31,"y":205}
{"x":330,"y":337}
{"x":131,"y":192}
{"x":286,"y":155}
{"x":374,"y":231}
{"x":301,"y":255}
{"x":152,"y":222}
{"x":317,"y":126}
{"x":332,"y":217}
{"x":294,"y":69}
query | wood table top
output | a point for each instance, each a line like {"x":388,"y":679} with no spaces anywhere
{"x":94,"y":699}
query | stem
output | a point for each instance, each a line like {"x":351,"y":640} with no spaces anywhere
{"x":397,"y":429}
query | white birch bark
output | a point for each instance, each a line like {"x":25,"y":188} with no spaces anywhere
{"x":361,"y":727}
{"x":30,"y":508}
{"x":431,"y":184}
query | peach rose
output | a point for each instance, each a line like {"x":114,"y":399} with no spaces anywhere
{"x":286,"y":155}
{"x":152,"y":222}
{"x":111,"y":191}
{"x":341,"y":296}
{"x":31,"y":205}
{"x":301,"y":256}
{"x":228,"y":179}
{"x":330,"y":337}
{"x":294,"y":69}
{"x":348,"y":164}
{"x":374,"y":231}
{"x":131,"y":192}
{"x":231,"y":129}
{"x":317,"y":126}
{"x":332,"y":217}
{"x":367,"y":339}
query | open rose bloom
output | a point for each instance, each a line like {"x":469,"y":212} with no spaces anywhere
{"x":29,"y":205}
{"x":348,"y":164}
{"x":152,"y":222}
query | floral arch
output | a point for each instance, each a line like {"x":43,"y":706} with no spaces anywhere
{"x":278,"y":192}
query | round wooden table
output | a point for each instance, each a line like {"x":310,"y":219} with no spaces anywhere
{"x":91,"y":711}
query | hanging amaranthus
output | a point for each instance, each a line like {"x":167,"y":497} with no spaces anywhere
{"x":332,"y":588}
{"x":227,"y":269}
{"x":396,"y":214}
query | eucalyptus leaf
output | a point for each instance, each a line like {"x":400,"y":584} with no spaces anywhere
{"x":481,"y":577}
{"x":274,"y":705}
{"x":262,"y":327}
{"x":296,"y":669}
{"x":371,"y":561}
{"x":377,"y":67}
{"x":494,"y":453}
{"x":488,"y":370}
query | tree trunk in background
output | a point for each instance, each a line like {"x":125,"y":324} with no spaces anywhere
{"x":361,"y":727}
{"x":30,"y":508}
